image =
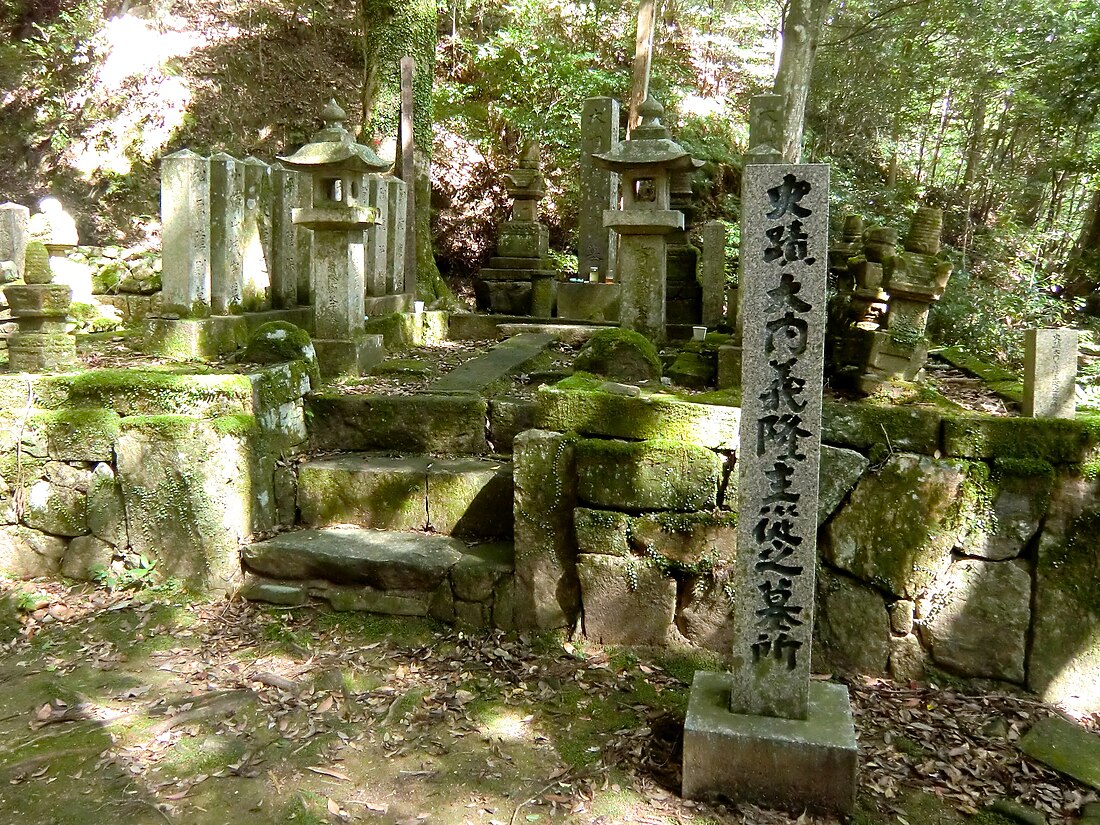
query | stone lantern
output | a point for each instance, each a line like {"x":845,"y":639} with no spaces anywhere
{"x":646,"y":163}
{"x":338,"y":215}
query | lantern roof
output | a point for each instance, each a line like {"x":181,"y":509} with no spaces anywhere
{"x":649,"y":145}
{"x":333,"y":148}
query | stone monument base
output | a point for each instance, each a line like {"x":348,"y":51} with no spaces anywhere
{"x":787,"y":763}
{"x":589,"y":302}
{"x":338,"y":357}
{"x":388,"y":304}
{"x":41,"y":352}
{"x":186,"y":338}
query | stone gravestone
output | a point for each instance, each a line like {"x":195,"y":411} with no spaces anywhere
{"x":256,"y":235}
{"x":14,"y":222}
{"x":226,"y":222}
{"x":1050,"y":373}
{"x":712,"y":272}
{"x":764,"y":732}
{"x":395,"y":236}
{"x":599,"y":189}
{"x":185,"y":215}
{"x":286,"y":243}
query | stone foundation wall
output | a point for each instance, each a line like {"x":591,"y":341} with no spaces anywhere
{"x":103,"y":468}
{"x":966,"y":544}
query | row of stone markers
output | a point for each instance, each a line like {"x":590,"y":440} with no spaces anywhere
{"x":230,"y":244}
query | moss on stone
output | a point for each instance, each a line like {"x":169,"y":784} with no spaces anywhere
{"x":240,"y":425}
{"x":277,"y":341}
{"x":148,"y":391}
{"x":168,"y":427}
{"x":621,"y":354}
{"x":1057,"y":441}
{"x":36,"y":263}
{"x":80,"y":434}
{"x":885,"y":428}
{"x":694,"y":370}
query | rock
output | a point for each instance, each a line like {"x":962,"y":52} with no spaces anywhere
{"x":470,"y":497}
{"x":379,"y":559}
{"x":508,"y":417}
{"x":1066,"y":747}
{"x":907,"y":658}
{"x":687,"y":539}
{"x":61,"y":511}
{"x":278,"y":341}
{"x":257,"y":589}
{"x":869,"y":427}
{"x":193,"y":493}
{"x":87,"y":558}
{"x":648,"y":475}
{"x":602,"y":531}
{"x":853,"y":628}
{"x":899,"y":526}
{"x":840,"y":470}
{"x":705,"y":616}
{"x":975,"y":619}
{"x":1018,"y":509}
{"x":106,"y":509}
{"x":547,"y":592}
{"x":1017,"y":812}
{"x":28,"y":554}
{"x":480,"y":569}
{"x":620,"y":354}
{"x":625,"y":601}
{"x":901,"y":617}
{"x":693,"y":370}
{"x":1065,"y":652}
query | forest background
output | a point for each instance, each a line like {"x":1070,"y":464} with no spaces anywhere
{"x":985,"y":108}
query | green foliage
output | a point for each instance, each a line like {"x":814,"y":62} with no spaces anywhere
{"x":132,"y":576}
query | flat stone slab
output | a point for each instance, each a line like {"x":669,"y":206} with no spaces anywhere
{"x":385,"y":560}
{"x":1066,"y":747}
{"x":475,"y":376}
{"x":566,"y":333}
{"x":790,"y":763}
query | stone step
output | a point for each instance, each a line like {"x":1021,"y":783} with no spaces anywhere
{"x":421,"y":423}
{"x":382,"y":571}
{"x":466,"y":497}
{"x":566,"y":333}
{"x":482,"y":372}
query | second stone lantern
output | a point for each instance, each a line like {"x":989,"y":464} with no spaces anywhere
{"x":646,"y":163}
{"x":338,"y":215}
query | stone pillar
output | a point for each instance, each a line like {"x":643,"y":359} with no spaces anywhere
{"x":642,"y":260}
{"x":1050,"y":373}
{"x":395,"y":236}
{"x":14,"y":232}
{"x":286,"y":237}
{"x":764,"y":732}
{"x":599,"y":189}
{"x":712,"y":272}
{"x":226,"y":224}
{"x":185,"y":236}
{"x":256,"y":235}
{"x":337,"y":286}
{"x":375,"y":238}
{"x":683,"y":293}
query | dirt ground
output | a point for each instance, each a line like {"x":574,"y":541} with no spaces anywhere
{"x":142,"y":706}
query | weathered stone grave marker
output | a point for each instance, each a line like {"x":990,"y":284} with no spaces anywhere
{"x":764,"y":731}
{"x":599,"y":188}
{"x":1050,"y":373}
{"x":408,"y":170}
{"x":14,"y":232}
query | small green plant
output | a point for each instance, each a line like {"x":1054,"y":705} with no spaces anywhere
{"x":126,"y":577}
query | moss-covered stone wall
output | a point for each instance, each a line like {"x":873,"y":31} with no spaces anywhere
{"x":963,"y":544}
{"x":113,"y":470}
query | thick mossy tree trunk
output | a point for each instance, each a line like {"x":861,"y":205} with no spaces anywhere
{"x":390,"y":30}
{"x":801,"y":31}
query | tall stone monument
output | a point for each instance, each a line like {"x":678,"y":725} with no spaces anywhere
{"x":646,"y":163}
{"x":599,"y":189}
{"x":520,"y":277}
{"x":338,"y":215}
{"x":765,"y":732}
{"x":185,"y":216}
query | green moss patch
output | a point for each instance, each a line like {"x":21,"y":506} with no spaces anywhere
{"x":621,"y":354}
{"x":1056,"y":441}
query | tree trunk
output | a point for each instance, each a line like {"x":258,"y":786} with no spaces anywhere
{"x":643,"y":59}
{"x":397,"y":29}
{"x":1083,"y":264}
{"x":801,"y":32}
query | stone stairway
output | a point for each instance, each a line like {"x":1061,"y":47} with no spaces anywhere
{"x":415,"y":535}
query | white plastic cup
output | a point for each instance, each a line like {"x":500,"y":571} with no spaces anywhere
{"x":698,"y":333}
{"x":418,"y":307}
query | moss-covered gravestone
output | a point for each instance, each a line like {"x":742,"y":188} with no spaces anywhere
{"x":621,"y":354}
